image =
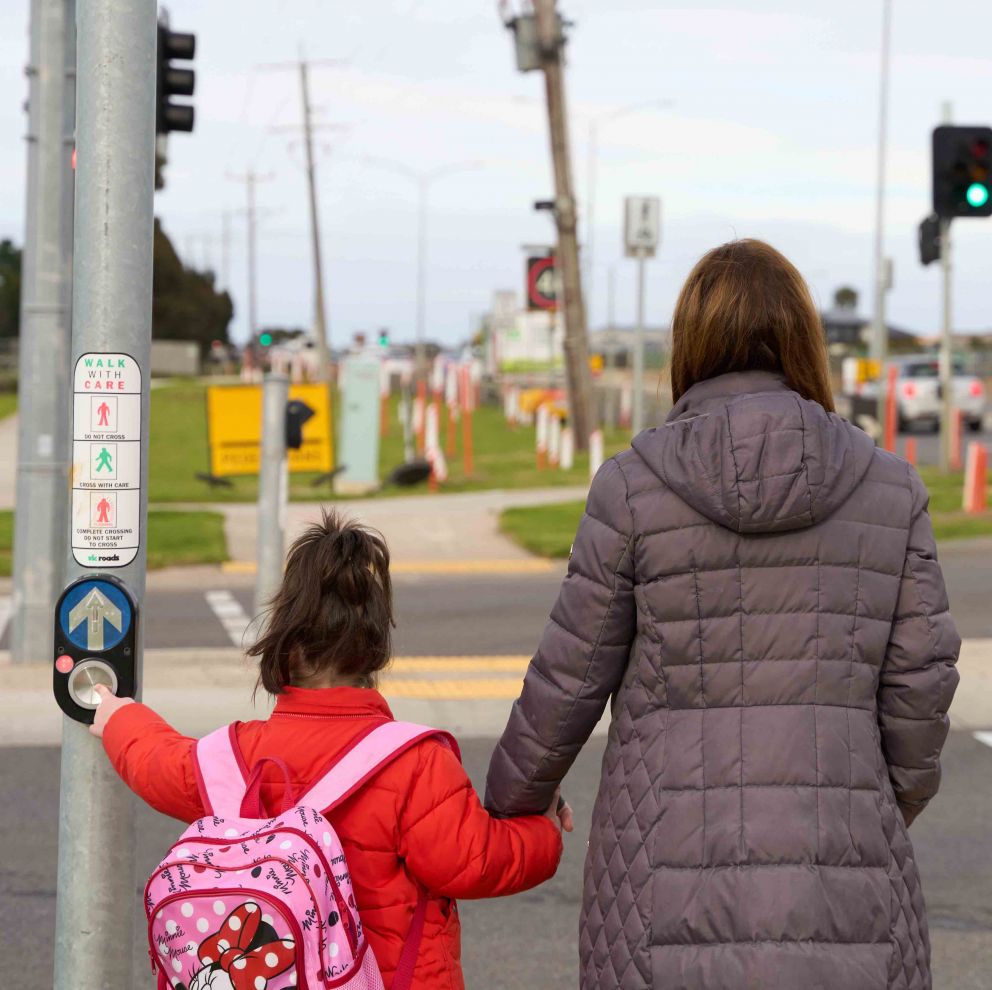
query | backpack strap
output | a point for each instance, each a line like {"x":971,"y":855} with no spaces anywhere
{"x":365,"y":759}
{"x":221,"y":774}
{"x":403,"y":976}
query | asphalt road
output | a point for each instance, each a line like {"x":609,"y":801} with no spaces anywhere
{"x":529,"y":940}
{"x":478,"y":615}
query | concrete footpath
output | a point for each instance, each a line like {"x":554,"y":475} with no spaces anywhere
{"x":420,"y":529}
{"x":197,"y":689}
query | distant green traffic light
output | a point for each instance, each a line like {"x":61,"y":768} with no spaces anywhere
{"x":265,"y":339}
{"x":977,"y":195}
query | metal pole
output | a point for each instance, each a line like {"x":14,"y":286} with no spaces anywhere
{"x":320,"y":315}
{"x":43,"y":446}
{"x":946,"y":378}
{"x":250,"y":214}
{"x":420,"y":357}
{"x":879,"y":336}
{"x":112,"y":300}
{"x":225,"y":250}
{"x":637,"y":406}
{"x":273,"y":485}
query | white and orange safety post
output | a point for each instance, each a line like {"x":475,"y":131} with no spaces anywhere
{"x":595,"y":452}
{"x":383,"y":399}
{"x":432,"y":448}
{"x":976,"y":478}
{"x":554,"y":441}
{"x":910,"y":450}
{"x":626,"y":405}
{"x":891,"y":411}
{"x":419,"y":408}
{"x":451,"y":401}
{"x":957,"y":438}
{"x":468,"y":404}
{"x":541,"y":435}
{"x":567,"y":448}
{"x":511,"y":405}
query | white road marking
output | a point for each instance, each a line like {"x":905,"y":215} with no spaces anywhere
{"x":5,"y":608}
{"x":984,"y":737}
{"x":230,"y":614}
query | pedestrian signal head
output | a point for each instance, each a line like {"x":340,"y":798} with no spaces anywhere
{"x":962,"y":171}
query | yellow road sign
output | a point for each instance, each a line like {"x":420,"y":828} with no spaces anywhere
{"x":234,"y":429}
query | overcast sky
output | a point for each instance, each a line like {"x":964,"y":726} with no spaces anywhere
{"x":771,"y":133}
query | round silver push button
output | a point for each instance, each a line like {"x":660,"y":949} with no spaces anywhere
{"x":84,"y":679}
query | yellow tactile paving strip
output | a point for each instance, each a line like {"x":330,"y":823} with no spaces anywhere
{"x":414,"y":677}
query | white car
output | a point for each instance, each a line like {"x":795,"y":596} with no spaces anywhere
{"x":919,"y":398}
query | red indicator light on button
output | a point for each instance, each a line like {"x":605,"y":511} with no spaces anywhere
{"x":64,"y":664}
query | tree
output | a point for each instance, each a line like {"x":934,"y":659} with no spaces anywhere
{"x":10,"y":289}
{"x":846,"y":298}
{"x":185,"y":303}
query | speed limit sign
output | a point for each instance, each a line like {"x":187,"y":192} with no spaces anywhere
{"x":542,"y":283}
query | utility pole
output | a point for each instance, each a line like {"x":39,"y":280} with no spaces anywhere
{"x":320,"y":313}
{"x":251,"y":178}
{"x":43,"y":446}
{"x":321,"y":333}
{"x":111,"y":315}
{"x":550,"y":41}
{"x":880,"y":336}
{"x":225,"y":250}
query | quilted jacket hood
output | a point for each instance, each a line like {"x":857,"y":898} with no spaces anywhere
{"x":753,"y":456}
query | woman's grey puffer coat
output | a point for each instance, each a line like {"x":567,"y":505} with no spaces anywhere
{"x":756,"y":586}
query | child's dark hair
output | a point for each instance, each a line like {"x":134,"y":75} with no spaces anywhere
{"x":333,"y":611}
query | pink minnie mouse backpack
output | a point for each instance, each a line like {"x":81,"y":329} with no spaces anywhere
{"x":244,"y":902}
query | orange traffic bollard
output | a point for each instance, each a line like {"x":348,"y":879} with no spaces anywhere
{"x":976,"y":478}
{"x":891,"y":412}
{"x":910,"y":448}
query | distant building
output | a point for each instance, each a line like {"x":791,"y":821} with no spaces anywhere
{"x":520,"y":339}
{"x":616,"y":345}
{"x":846,"y":328}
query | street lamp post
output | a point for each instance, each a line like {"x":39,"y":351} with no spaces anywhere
{"x":423,"y":179}
{"x":592,"y":166}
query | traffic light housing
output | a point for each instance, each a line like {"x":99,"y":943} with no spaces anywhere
{"x":962,"y":171}
{"x":173,"y":81}
{"x":297,"y":413}
{"x":929,"y":236}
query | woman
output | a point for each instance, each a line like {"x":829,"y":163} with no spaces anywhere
{"x":756,"y":587}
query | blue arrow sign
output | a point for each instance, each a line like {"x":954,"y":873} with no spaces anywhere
{"x":95,"y":615}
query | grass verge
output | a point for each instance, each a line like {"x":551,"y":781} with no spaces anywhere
{"x":174,"y":538}
{"x":503,"y":457}
{"x":8,"y":404}
{"x":548,"y":530}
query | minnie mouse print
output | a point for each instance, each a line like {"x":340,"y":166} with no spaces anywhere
{"x":243,"y":954}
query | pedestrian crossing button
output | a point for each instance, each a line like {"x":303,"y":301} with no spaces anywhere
{"x":86,"y":677}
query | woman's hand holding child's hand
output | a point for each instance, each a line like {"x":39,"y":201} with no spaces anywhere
{"x":560,"y":812}
{"x":109,"y":703}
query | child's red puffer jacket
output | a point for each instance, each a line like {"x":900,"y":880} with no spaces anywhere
{"x":419,"y":819}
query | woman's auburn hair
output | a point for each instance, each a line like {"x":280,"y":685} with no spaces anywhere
{"x":745,"y":307}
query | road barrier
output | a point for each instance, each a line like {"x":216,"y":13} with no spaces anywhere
{"x":909,"y":448}
{"x":976,"y":478}
{"x":891,"y":410}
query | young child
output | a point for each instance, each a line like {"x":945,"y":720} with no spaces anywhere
{"x":417,"y":824}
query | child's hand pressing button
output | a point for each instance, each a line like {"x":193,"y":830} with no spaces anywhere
{"x":109,"y":704}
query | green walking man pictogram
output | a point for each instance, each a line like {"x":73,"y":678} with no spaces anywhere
{"x":104,"y":461}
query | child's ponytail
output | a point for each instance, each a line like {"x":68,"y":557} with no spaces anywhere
{"x":333,"y":613}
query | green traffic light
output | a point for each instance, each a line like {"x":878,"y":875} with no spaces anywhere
{"x":977,"y":194}
{"x":265,"y":339}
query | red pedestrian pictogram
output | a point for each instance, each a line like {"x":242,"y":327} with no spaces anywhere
{"x":103,"y":411}
{"x":103,"y":508}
